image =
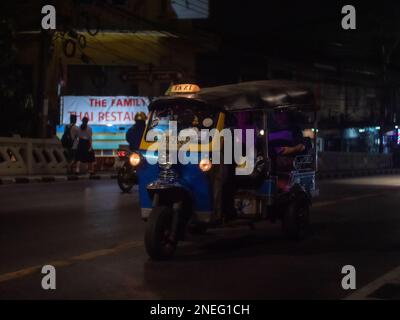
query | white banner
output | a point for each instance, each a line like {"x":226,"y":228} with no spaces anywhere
{"x":103,"y":110}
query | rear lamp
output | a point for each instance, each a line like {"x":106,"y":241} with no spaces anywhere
{"x":134,"y":159}
{"x":121,"y":154}
{"x":205,"y":165}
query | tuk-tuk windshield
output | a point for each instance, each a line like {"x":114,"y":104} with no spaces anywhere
{"x":186,"y":117}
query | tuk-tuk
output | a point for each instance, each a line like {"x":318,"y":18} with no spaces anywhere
{"x":177,"y":197}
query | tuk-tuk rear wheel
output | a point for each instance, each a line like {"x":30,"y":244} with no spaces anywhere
{"x":296,"y":221}
{"x":157,"y":239}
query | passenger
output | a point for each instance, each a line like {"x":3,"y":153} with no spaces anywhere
{"x":285,"y":141}
{"x":85,"y":152}
{"x":135,"y":133}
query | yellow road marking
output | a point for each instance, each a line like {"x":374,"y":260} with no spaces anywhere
{"x":363,"y":293}
{"x":332,"y":202}
{"x":129,"y":245}
{"x":19,"y":274}
{"x":68,"y":262}
{"x":92,"y":255}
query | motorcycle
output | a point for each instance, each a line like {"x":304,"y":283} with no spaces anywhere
{"x":126,"y":174}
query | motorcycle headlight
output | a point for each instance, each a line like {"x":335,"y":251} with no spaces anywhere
{"x":135,"y":159}
{"x":205,"y":165}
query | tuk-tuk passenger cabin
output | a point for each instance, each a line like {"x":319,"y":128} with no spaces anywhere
{"x":176,"y":198}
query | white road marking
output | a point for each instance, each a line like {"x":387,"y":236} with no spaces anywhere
{"x":363,"y":293}
{"x":332,"y":202}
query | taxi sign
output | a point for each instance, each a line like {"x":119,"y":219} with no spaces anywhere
{"x":183,"y":88}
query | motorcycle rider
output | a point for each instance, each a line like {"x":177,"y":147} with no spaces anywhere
{"x":126,"y":174}
{"x":134,"y":133}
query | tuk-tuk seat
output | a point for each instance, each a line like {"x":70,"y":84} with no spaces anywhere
{"x":300,"y":163}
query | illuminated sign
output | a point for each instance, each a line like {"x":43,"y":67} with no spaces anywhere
{"x":103,"y":110}
{"x":184,"y":88}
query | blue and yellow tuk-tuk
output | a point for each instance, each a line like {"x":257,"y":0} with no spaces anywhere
{"x":177,"y":197}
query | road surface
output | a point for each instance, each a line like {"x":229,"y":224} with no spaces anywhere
{"x":93,"y":235}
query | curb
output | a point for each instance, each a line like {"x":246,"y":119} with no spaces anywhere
{"x":359,"y":173}
{"x":62,"y":178}
{"x":55,"y":178}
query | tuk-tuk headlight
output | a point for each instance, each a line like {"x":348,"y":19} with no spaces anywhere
{"x":205,"y":165}
{"x":135,"y":159}
{"x":165,"y":165}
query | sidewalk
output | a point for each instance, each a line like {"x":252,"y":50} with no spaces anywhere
{"x":322,"y":175}
{"x":113,"y":175}
{"x":56,"y":178}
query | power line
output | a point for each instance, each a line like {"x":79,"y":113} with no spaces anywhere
{"x":112,"y":52}
{"x":200,"y":11}
{"x":191,"y":4}
{"x":204,"y":2}
{"x":152,"y":47}
{"x":147,"y":50}
{"x":154,"y":26}
{"x":107,"y":51}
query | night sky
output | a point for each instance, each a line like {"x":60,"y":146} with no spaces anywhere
{"x":307,"y":29}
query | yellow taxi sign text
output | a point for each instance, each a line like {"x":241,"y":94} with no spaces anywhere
{"x":184,"y":88}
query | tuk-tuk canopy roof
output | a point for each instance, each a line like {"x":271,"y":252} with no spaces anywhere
{"x":268,"y":94}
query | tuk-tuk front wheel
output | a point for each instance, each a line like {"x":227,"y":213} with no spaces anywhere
{"x":296,"y":221}
{"x":158,"y":235}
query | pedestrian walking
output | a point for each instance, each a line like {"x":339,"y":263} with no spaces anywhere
{"x":85,"y":152}
{"x":69,"y":141}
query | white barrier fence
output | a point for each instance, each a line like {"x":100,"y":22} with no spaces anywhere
{"x":46,"y":156}
{"x":353,"y":161}
{"x":31,"y":156}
